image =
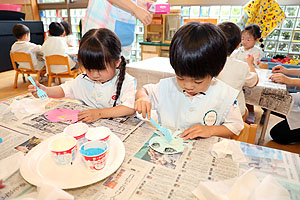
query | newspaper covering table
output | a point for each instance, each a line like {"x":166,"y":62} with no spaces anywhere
{"x":146,"y":174}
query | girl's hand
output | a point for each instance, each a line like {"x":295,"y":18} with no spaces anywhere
{"x":143,"y":105}
{"x":32,"y":89}
{"x":89,"y":116}
{"x":279,"y":69}
{"x":250,"y":59}
{"x":1,"y":184}
{"x":195,"y":131}
{"x":143,"y":15}
{"x":280,"y":78}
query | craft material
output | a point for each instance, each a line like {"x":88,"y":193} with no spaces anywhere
{"x":62,"y":115}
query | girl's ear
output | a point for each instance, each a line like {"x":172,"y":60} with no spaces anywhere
{"x":118,"y":62}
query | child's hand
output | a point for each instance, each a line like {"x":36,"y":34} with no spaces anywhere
{"x":195,"y":131}
{"x":32,"y":89}
{"x":89,"y":116}
{"x":1,"y":184}
{"x":143,"y":105}
{"x":250,"y":59}
{"x":279,"y":69}
{"x":280,"y":78}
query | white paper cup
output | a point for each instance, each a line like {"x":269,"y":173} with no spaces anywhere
{"x":78,"y":131}
{"x":63,"y":149}
{"x":101,"y":133}
{"x":94,"y":154}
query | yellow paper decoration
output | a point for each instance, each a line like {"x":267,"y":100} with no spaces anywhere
{"x":265,"y":13}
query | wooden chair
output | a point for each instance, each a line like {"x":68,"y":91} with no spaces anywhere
{"x":248,"y":134}
{"x":24,"y":57}
{"x":60,"y":60}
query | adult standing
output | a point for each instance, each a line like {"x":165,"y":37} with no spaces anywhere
{"x":118,"y":16}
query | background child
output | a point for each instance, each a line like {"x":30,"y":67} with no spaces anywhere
{"x":106,"y":86}
{"x":194,"y":100}
{"x":288,"y":130}
{"x":56,"y":45}
{"x":250,"y":36}
{"x":237,"y":73}
{"x":70,"y":39}
{"x":22,"y":33}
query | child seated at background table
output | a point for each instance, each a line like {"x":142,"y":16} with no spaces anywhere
{"x":288,"y":130}
{"x":69,"y":37}
{"x":106,"y":87}
{"x":237,"y":73}
{"x":194,"y":100}
{"x":250,"y":36}
{"x":56,"y":45}
{"x":22,"y":45}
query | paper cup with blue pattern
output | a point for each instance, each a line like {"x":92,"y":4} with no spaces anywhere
{"x":94,"y":154}
{"x":63,"y":149}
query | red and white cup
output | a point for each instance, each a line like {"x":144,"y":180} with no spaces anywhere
{"x":100,"y":133}
{"x":63,"y":149}
{"x":94,"y":154}
{"x":78,"y":131}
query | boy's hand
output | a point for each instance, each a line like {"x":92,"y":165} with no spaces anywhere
{"x":143,"y":105}
{"x":32,"y":89}
{"x":195,"y":131}
{"x":280,"y":78}
{"x":89,"y":116}
{"x":279,"y":69}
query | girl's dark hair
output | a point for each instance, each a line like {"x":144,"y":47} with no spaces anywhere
{"x":67,"y":27}
{"x":99,"y":49}
{"x":19,"y":30}
{"x":254,"y":30}
{"x":233,"y":35}
{"x":56,"y":29}
{"x":198,"y":50}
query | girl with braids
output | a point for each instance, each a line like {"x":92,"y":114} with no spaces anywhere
{"x":251,"y":54}
{"x":105,"y":86}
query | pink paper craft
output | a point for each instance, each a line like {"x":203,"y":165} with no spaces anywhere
{"x":62,"y":115}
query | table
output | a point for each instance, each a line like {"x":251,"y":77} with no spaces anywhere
{"x":144,"y":174}
{"x":267,"y":94}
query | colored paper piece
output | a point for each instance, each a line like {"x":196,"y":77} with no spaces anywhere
{"x":161,"y":145}
{"x":62,"y":115}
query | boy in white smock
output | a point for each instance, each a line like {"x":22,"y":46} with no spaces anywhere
{"x":22,"y":45}
{"x":56,"y":45}
{"x":194,"y":100}
{"x":237,"y":73}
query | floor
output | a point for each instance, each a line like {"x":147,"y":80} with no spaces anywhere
{"x":7,"y":90}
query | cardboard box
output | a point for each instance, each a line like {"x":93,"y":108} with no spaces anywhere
{"x":158,"y":8}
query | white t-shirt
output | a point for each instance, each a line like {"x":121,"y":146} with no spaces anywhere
{"x":101,"y":95}
{"x":71,"y":40}
{"x":237,"y":74}
{"x":293,"y":117}
{"x":29,"y":48}
{"x":175,"y":109}
{"x":57,"y":46}
{"x":242,"y":54}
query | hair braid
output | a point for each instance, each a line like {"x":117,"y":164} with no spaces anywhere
{"x":122,"y":68}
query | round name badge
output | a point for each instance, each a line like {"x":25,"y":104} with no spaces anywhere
{"x":210,"y":118}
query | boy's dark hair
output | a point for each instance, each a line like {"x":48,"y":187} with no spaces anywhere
{"x":198,"y":50}
{"x":67,"y":27}
{"x":19,"y":30}
{"x":99,"y":48}
{"x":56,"y":29}
{"x":233,"y":35}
